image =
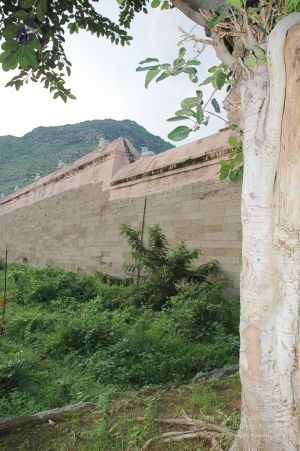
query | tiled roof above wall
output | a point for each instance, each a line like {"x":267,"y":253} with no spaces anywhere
{"x":203,"y":150}
{"x":94,"y":158}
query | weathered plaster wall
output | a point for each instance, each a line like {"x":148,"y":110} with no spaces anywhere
{"x":72,"y":217}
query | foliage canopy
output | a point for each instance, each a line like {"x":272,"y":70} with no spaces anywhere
{"x":163,"y":271}
{"x":32,"y":34}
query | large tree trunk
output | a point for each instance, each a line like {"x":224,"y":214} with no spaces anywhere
{"x":270,"y":282}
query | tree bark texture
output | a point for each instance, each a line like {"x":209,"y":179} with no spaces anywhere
{"x":270,"y":281}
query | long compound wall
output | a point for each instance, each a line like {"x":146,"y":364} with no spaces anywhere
{"x":74,"y":219}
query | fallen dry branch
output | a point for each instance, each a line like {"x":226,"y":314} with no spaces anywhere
{"x":12,"y":423}
{"x":197,"y":429}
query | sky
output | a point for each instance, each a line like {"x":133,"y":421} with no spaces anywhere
{"x":106,"y":84}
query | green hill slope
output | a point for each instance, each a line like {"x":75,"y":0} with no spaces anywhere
{"x":40,"y":150}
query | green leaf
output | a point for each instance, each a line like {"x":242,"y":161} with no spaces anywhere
{"x":216,"y":19}
{"x":236,"y":174}
{"x":190,"y":102}
{"x":30,"y":55}
{"x":186,"y":112}
{"x":182,"y":52}
{"x":260,"y":53}
{"x":149,"y":60}
{"x":73,"y":27}
{"x":250,"y":61}
{"x":216,"y":105}
{"x":200,"y":115}
{"x":23,"y":61}
{"x":233,"y":141}
{"x":10,"y":62}
{"x":178,"y":63}
{"x":219,"y":78}
{"x":155,"y":3}
{"x":10,"y":31}
{"x":10,"y":45}
{"x":207,"y":81}
{"x":3,"y":56}
{"x":238,"y":4}
{"x":142,"y":69}
{"x":192,"y":72}
{"x":193,"y":62}
{"x":291,"y":5}
{"x":41,"y":10}
{"x":179,"y":133}
{"x":20,"y":14}
{"x":224,"y":171}
{"x":36,"y":43}
{"x":177,"y":118}
{"x":150,"y":75}
{"x":163,"y":75}
{"x":26,"y":4}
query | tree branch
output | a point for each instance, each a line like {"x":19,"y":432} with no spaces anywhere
{"x":223,"y":53}
{"x":198,"y":17}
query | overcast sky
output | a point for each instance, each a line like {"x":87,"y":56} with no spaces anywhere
{"x":106,"y":83}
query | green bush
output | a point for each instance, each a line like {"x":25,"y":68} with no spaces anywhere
{"x":152,"y":353}
{"x":162,"y":270}
{"x":15,"y":369}
{"x":200,"y":312}
{"x":43,"y":285}
{"x":79,"y":334}
{"x":90,"y":328}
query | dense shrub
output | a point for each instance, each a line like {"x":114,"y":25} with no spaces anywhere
{"x":196,"y":331}
{"x":68,"y":334}
{"x":151,"y":352}
{"x":88,"y":332}
{"x":162,"y":270}
{"x":200,"y":312}
{"x":42,"y":285}
{"x":14,"y":369}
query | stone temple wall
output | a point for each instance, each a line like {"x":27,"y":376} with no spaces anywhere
{"x":72,"y":216}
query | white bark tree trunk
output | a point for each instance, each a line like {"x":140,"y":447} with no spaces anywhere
{"x":270,"y":282}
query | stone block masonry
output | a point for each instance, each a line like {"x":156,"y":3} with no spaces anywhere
{"x":72,"y":216}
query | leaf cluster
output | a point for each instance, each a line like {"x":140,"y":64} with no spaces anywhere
{"x":161,"y":71}
{"x":32,"y":35}
{"x":233,"y":167}
{"x":194,"y":108}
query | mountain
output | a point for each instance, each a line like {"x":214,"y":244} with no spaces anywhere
{"x":40,"y":150}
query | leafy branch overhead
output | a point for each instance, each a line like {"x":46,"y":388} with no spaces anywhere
{"x":238,"y":32}
{"x":32,"y":35}
{"x":193,"y":109}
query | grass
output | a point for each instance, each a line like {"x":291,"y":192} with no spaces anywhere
{"x":60,"y":347}
{"x":115,"y":424}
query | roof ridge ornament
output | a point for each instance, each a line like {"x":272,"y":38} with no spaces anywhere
{"x":145,"y":152}
{"x":103,"y":141}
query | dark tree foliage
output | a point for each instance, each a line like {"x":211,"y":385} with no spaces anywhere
{"x":163,"y":271}
{"x":32,"y":35}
